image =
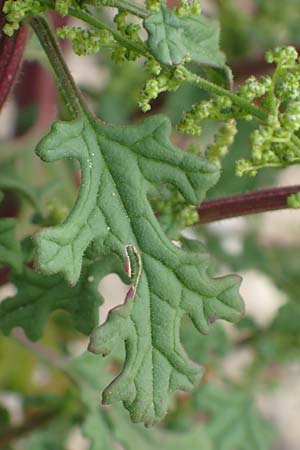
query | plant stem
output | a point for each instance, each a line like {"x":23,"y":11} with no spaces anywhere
{"x":66,"y":84}
{"x":236,"y":99}
{"x":128,"y":6}
{"x":11,"y":54}
{"x":96,"y":23}
{"x":245,"y":204}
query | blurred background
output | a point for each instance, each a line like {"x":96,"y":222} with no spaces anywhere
{"x":256,"y":364}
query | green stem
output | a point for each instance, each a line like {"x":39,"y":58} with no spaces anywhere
{"x":66,"y":84}
{"x":128,"y":6}
{"x":96,"y":23}
{"x":195,"y":79}
{"x":238,"y":101}
{"x":70,"y":92}
{"x":219,"y":90}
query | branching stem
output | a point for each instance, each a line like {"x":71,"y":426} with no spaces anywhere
{"x":244,"y":104}
{"x":128,"y":6}
{"x":240,"y":205}
{"x":213,"y":88}
{"x":96,"y":23}
{"x":245,"y":204}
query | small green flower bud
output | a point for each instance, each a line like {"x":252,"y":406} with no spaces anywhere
{"x":252,"y":88}
{"x":153,"y":5}
{"x":293,"y":201}
{"x":223,"y":139}
{"x":62,"y":6}
{"x":120,"y":20}
{"x":283,"y":56}
{"x":244,"y":166}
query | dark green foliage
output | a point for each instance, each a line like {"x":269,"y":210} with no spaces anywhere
{"x":39,"y":295}
{"x":10,"y":248}
{"x":172,"y":38}
{"x":104,"y":427}
{"x":113,"y":216}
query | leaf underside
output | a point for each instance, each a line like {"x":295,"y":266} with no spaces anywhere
{"x":171,"y":38}
{"x":112,"y":216}
{"x":245,"y":428}
{"x":39,"y":295}
{"x":120,"y":430}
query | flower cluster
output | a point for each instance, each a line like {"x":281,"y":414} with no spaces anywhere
{"x":16,"y":12}
{"x":275,"y":142}
{"x":62,"y":6}
{"x":164,"y":81}
{"x":213,"y":109}
{"x":91,"y":41}
{"x":174,"y":214}
{"x":130,"y":31}
{"x":153,"y":5}
{"x":187,"y":8}
{"x":253,"y":88}
{"x":86,"y":42}
{"x":284,"y":57}
{"x":223,"y":139}
{"x":293,"y":201}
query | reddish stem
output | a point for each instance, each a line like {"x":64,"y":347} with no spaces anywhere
{"x":245,"y":204}
{"x":11,"y":52}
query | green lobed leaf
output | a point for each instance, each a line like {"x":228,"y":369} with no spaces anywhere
{"x":235,"y":423}
{"x":113,"y":213}
{"x":105,"y":427}
{"x":172,"y":38}
{"x":39,"y":295}
{"x":10,"y":248}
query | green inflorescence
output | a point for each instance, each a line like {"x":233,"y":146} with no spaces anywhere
{"x":274,"y":142}
{"x":223,"y":140}
{"x":153,"y":5}
{"x":186,"y":8}
{"x":294,"y":201}
{"x":86,"y":42}
{"x":154,"y":86}
{"x":164,"y":81}
{"x":62,"y":6}
{"x":129,"y":31}
{"x":213,"y":109}
{"x":16,"y":12}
